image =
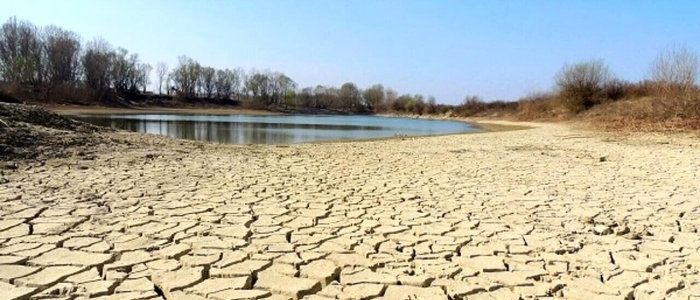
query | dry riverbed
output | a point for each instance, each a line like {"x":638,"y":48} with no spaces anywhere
{"x":540,"y":213}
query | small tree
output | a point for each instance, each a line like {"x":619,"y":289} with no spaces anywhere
{"x":185,"y":76}
{"x":162,"y":73}
{"x":373,"y":96}
{"x":431,"y":106}
{"x":208,"y":80}
{"x":581,"y":85}
{"x":143,"y":76}
{"x":223,"y":83}
{"x":349,"y":96}
{"x":675,"y":70}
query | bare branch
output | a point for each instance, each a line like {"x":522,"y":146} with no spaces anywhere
{"x":676,"y":69}
{"x":581,"y":84}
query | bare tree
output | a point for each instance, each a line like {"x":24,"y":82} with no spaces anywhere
{"x":208,"y":80}
{"x":373,"y":96}
{"x":62,"y":49}
{"x":403,"y":103}
{"x":391,"y":96}
{"x":305,"y":97}
{"x":258,"y":85}
{"x":431,"y":106}
{"x":97,"y":64}
{"x":186,"y":76}
{"x":274,"y":87}
{"x":676,"y":69}
{"x":237,"y":81}
{"x":161,"y":74}
{"x":224,"y":83}
{"x":349,"y":96}
{"x":169,"y":86}
{"x":286,"y":88}
{"x":143,"y":75}
{"x":21,"y":52}
{"x":327,"y":97}
{"x":31,"y":47}
{"x":125,"y":70}
{"x":319,"y":94}
{"x":580,"y":85}
{"x":9,"y":48}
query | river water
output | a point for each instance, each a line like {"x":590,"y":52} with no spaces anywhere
{"x":275,"y":129}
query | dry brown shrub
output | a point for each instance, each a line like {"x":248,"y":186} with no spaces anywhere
{"x":676,"y":71}
{"x":581,"y":85}
{"x":475,"y":106}
{"x":538,"y":106}
{"x":646,"y":114}
{"x":252,"y":104}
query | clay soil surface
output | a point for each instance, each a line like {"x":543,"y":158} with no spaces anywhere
{"x":540,"y":213}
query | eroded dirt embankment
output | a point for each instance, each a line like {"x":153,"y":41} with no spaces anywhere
{"x":30,"y":132}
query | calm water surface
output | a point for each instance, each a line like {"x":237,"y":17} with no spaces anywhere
{"x":240,"y":129}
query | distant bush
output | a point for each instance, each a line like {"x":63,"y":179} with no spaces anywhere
{"x":418,"y":107}
{"x":675,"y":71}
{"x":675,"y":74}
{"x":641,"y":89}
{"x":475,"y":106}
{"x":253,"y":104}
{"x":615,"y":89}
{"x":581,"y":85}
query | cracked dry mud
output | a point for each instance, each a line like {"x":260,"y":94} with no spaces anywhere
{"x":533,"y":214}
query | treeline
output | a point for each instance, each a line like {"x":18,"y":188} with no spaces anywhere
{"x":52,"y":64}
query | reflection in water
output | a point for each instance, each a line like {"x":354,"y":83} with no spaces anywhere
{"x":274,"y":129}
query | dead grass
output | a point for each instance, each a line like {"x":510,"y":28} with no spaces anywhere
{"x":628,"y":107}
{"x":647,"y":114}
{"x":541,"y":106}
{"x":476,"y":107}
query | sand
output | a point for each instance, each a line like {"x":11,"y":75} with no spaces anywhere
{"x":539,"y":213}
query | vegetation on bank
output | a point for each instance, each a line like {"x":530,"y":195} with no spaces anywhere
{"x":669,"y":99}
{"x":53,"y":65}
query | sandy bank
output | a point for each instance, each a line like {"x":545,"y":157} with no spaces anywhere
{"x":485,"y":124}
{"x":546,"y":212}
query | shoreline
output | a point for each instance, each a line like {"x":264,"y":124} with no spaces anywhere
{"x":486,"y":126}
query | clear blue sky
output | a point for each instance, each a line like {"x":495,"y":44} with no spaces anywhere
{"x":447,"y":48}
